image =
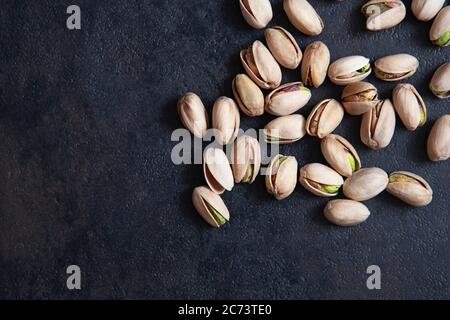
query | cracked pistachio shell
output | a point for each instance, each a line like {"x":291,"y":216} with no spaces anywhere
{"x":439,"y":140}
{"x":304,"y":17}
{"x":409,"y":106}
{"x":285,"y":130}
{"x":366,"y":184}
{"x":281,"y":178}
{"x":193,"y":114}
{"x":246,"y":155}
{"x":440,"y":83}
{"x":257,"y":13}
{"x":396,"y":67}
{"x":341,"y":155}
{"x":248,"y":96}
{"x":359,"y":98}
{"x":410,"y":188}
{"x":217,"y":170}
{"x":210,"y":207}
{"x":226,"y":120}
{"x":383,"y":14}
{"x":287,"y":99}
{"x":320,"y":180}
{"x":316,"y":61}
{"x":284,"y":47}
{"x":425,"y":10}
{"x":346,"y":213}
{"x":324,"y":118}
{"x":349,"y":69}
{"x":261,"y":66}
{"x":378,"y":125}
{"x":440,"y":30}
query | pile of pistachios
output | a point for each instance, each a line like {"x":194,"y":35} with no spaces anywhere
{"x":263,"y":72}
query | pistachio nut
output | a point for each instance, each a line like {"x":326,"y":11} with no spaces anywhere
{"x":324,"y":118}
{"x":346,"y":213}
{"x":261,"y":66}
{"x":341,"y":155}
{"x":396,"y":67}
{"x":210,"y":207}
{"x":257,"y":13}
{"x":366,"y":184}
{"x":383,"y":14}
{"x":246,"y":155}
{"x":281,"y":178}
{"x":320,"y":180}
{"x":359,"y":98}
{"x":287,"y":99}
{"x":303,"y":16}
{"x":315,"y":64}
{"x":440,"y":30}
{"x":285,"y":130}
{"x":439,"y":140}
{"x":248,"y":96}
{"x":410,"y":188}
{"x":217,"y":170}
{"x":193,"y":114}
{"x":440,"y":83}
{"x":226,"y":120}
{"x":284,"y":47}
{"x":426,"y":10}
{"x":409,"y":106}
{"x":378,"y":125}
{"x":349,"y":69}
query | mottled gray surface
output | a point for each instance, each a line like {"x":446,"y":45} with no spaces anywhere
{"x":86,"y":176}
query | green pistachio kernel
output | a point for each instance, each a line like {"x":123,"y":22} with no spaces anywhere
{"x":303,"y":88}
{"x":216,"y":214}
{"x":352,"y":161}
{"x":330,"y":189}
{"x":443,"y":40}
{"x":363,"y":69}
{"x":249,"y":174}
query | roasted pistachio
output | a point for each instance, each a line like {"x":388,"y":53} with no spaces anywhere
{"x":396,"y":67}
{"x":346,"y":213}
{"x":246,"y":155}
{"x":193,"y":114}
{"x":257,"y":13}
{"x":248,"y":96}
{"x":439,"y":140}
{"x":410,"y":188}
{"x":409,"y":106}
{"x":281,"y":178}
{"x":341,"y":155}
{"x":383,"y":14}
{"x":440,"y":84}
{"x":440,"y":31}
{"x":287,"y":99}
{"x":226,"y":120}
{"x":426,"y":10}
{"x":366,"y":184}
{"x":285,"y":130}
{"x":284,"y":47}
{"x":349,"y":69}
{"x":359,"y":98}
{"x":324,"y":118}
{"x":320,"y":180}
{"x":303,"y":16}
{"x":217,"y":170}
{"x":315,"y":64}
{"x":378,"y":125}
{"x":210,"y":206}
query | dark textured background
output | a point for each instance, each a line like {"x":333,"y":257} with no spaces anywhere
{"x":86,"y":176}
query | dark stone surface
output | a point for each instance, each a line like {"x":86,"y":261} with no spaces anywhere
{"x":86,"y":174}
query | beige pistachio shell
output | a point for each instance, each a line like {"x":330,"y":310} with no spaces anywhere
{"x":217,"y":170}
{"x":205,"y":202}
{"x":257,"y":13}
{"x":396,"y":67}
{"x":383,"y":14}
{"x":315,"y":64}
{"x":440,"y":30}
{"x":440,"y":83}
{"x":303,"y":16}
{"x":285,"y":130}
{"x":409,"y":106}
{"x":193,"y":114}
{"x":359,"y":98}
{"x":281,"y":178}
{"x":287,"y":99}
{"x":366,"y":184}
{"x":378,"y":126}
{"x":439,"y":140}
{"x":248,"y":96}
{"x":324,"y":118}
{"x":261,"y":66}
{"x":226,"y":120}
{"x":349,"y":69}
{"x":246,"y":155}
{"x":284,"y":47}
{"x":426,"y":10}
{"x":346,"y":213}
{"x":320,"y":180}
{"x":410,"y":188}
{"x":341,"y":155}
